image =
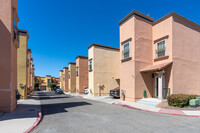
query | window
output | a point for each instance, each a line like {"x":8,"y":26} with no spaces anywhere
{"x":126,"y":52}
{"x":68,"y":74}
{"x":42,"y":81}
{"x":63,"y":77}
{"x":49,"y":81}
{"x":161,"y":49}
{"x":90,"y":65}
{"x":76,"y":71}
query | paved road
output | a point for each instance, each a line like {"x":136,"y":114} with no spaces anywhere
{"x":66,"y":114}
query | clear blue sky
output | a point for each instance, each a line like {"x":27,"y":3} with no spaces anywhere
{"x":60,"y":30}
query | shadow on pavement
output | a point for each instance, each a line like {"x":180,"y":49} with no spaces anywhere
{"x":29,"y":108}
{"x":48,"y":109}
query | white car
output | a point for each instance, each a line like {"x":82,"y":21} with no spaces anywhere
{"x":86,"y":91}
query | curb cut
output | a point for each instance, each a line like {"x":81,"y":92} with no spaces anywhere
{"x":129,"y":107}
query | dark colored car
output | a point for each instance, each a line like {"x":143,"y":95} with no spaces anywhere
{"x":115,"y":92}
{"x":59,"y":91}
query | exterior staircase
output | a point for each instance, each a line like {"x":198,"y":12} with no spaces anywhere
{"x":149,"y":101}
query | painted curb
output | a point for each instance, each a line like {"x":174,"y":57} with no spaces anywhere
{"x":39,"y":118}
{"x":127,"y":106}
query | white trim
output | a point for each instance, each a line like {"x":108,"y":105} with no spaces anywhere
{"x":156,"y":47}
{"x":9,"y":90}
{"x":129,"y":42}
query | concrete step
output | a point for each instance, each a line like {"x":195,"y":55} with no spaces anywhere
{"x":147,"y":101}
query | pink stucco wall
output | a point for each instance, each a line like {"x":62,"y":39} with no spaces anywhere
{"x":8,"y":54}
{"x":82,"y":77}
{"x":182,"y":49}
{"x":127,"y":69}
{"x":186,"y":56}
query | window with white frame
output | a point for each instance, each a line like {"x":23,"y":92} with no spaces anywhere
{"x":90,"y":65}
{"x":69,"y":74}
{"x":126,"y":50}
{"x":161,"y":49}
{"x":76,"y":71}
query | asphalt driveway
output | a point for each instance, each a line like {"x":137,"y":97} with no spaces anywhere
{"x":67,"y":114}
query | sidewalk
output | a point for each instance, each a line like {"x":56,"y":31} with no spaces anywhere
{"x":138,"y":106}
{"x":23,"y":118}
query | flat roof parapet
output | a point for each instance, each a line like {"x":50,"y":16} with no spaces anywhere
{"x":65,"y":67}
{"x":79,"y":56}
{"x":134,"y":12}
{"x":103,"y":46}
{"x":48,"y":75}
{"x":72,"y":63}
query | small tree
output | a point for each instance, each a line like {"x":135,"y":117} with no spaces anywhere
{"x":52,"y":86}
{"x":36,"y":85}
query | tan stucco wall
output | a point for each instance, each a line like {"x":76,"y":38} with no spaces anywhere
{"x":105,"y":70}
{"x":72,"y":79}
{"x":61,"y":79}
{"x":82,"y":78}
{"x":65,"y":79}
{"x":48,"y":88}
{"x":22,"y":74}
{"x":8,"y":57}
{"x":29,"y":70}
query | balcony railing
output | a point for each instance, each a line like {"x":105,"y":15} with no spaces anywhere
{"x":16,"y":36}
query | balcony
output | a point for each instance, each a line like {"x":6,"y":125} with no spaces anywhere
{"x":16,"y":37}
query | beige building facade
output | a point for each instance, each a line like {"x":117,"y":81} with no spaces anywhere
{"x":65,"y":79}
{"x":81,"y":74}
{"x":22,"y":64}
{"x":61,"y":79}
{"x":158,"y":57}
{"x":72,"y":77}
{"x":103,"y":70}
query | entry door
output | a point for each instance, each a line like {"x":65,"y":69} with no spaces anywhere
{"x":156,"y":86}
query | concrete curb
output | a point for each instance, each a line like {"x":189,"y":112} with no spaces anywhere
{"x":38,"y":120}
{"x":160,"y":111}
{"x":127,"y":106}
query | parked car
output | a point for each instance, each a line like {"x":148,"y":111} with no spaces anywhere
{"x":86,"y":91}
{"x":115,"y":92}
{"x":59,"y":91}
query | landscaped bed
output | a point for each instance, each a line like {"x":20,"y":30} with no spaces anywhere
{"x":166,"y":106}
{"x":180,"y":101}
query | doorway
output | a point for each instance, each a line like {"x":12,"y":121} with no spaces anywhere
{"x":156,"y":87}
{"x":159,"y":85}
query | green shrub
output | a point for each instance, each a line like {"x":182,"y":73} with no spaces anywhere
{"x":180,"y":100}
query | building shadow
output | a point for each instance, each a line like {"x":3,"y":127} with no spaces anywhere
{"x":31,"y":110}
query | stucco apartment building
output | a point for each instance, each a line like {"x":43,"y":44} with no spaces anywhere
{"x":61,"y":79}
{"x":72,"y":77}
{"x":158,"y":54}
{"x":8,"y":54}
{"x":22,"y":64}
{"x":44,"y":81}
{"x":65,"y":79}
{"x":81,"y":74}
{"x":104,"y":69}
